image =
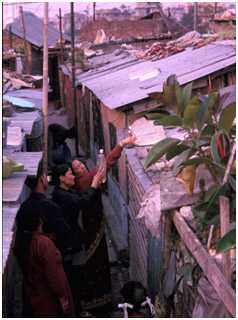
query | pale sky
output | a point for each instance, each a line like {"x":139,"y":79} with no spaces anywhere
{"x":11,"y":8}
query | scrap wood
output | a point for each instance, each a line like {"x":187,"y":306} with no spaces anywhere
{"x":206,"y":262}
{"x":160,"y":50}
{"x":20,"y":80}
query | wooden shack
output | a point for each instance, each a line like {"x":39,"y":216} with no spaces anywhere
{"x":13,"y":38}
{"x":110,"y":98}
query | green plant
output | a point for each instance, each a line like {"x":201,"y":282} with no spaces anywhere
{"x":209,"y":134}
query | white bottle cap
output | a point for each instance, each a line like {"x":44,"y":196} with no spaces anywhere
{"x":101,"y":151}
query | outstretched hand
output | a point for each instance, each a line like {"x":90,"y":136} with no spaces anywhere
{"x":129,"y":140}
{"x":98,"y":178}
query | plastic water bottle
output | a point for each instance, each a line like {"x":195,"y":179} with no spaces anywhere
{"x":101,"y":164}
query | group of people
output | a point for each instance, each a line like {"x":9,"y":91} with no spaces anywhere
{"x":60,"y":242}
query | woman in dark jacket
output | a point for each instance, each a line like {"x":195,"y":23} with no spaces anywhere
{"x":46,"y":288}
{"x":96,"y":283}
{"x":71,"y":203}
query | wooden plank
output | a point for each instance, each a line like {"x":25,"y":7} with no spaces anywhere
{"x":9,"y":214}
{"x":207,"y":263}
{"x":24,"y":120}
{"x":13,"y":186}
{"x":225,"y":225}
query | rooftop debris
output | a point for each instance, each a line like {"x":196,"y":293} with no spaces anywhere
{"x":13,"y":80}
{"x":160,"y":50}
{"x":228,"y":15}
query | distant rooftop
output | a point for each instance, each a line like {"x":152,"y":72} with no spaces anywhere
{"x":34,"y":30}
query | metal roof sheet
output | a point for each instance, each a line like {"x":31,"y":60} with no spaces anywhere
{"x":34,"y":30}
{"x":123,"y":84}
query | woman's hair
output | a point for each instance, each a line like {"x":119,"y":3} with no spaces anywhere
{"x":59,"y":133}
{"x":59,"y":170}
{"x":83,"y":160}
{"x":134,"y":293}
{"x":26,"y":223}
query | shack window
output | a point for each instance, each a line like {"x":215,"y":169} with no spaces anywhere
{"x":113,"y":143}
{"x":97,"y":123}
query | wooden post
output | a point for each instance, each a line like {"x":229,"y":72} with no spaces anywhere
{"x":224,"y":225}
{"x":94,"y":11}
{"x":207,"y":263}
{"x":225,"y":217}
{"x":24,"y":38}
{"x":215,"y":8}
{"x":62,"y":84}
{"x":195,"y":22}
{"x":45,"y":89}
{"x":74,"y":102}
{"x":10,"y":37}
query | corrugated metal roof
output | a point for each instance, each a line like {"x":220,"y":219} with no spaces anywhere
{"x":32,"y":95}
{"x":34,"y":30}
{"x":123,"y":83}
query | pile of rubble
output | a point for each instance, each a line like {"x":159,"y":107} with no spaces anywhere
{"x":13,"y":80}
{"x":228,"y":15}
{"x":160,"y":50}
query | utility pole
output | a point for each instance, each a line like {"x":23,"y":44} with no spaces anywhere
{"x":215,"y":8}
{"x":24,"y":39}
{"x":45,"y":89}
{"x":195,"y":22}
{"x":10,"y":36}
{"x":61,"y":59}
{"x":74,"y":102}
{"x":94,"y":11}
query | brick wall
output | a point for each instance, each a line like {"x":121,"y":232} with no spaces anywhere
{"x":16,"y":41}
{"x":122,"y":29}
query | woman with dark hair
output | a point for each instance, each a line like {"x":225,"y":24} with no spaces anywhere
{"x":58,"y":151}
{"x":71,"y":203}
{"x":46,"y":288}
{"x":96,"y":284}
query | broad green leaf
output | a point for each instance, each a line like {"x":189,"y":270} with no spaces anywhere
{"x":221,"y":101}
{"x":175,"y":121}
{"x":215,"y":220}
{"x":201,"y":143}
{"x":227,"y":242}
{"x":207,"y":131}
{"x":158,"y":96}
{"x":169,"y":97}
{"x":172,"y":80}
{"x":159,"y":149}
{"x":181,"y":158}
{"x":195,"y":161}
{"x":214,"y":151}
{"x":210,"y":193}
{"x":202,"y":114}
{"x":190,"y":112}
{"x":154,"y":116}
{"x":176,"y":150}
{"x":232,"y":182}
{"x":186,"y":93}
{"x":227,"y":117}
{"x":179,"y":98}
{"x":212,"y":101}
{"x":211,"y":202}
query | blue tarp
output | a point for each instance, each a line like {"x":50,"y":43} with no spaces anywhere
{"x":19,"y":102}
